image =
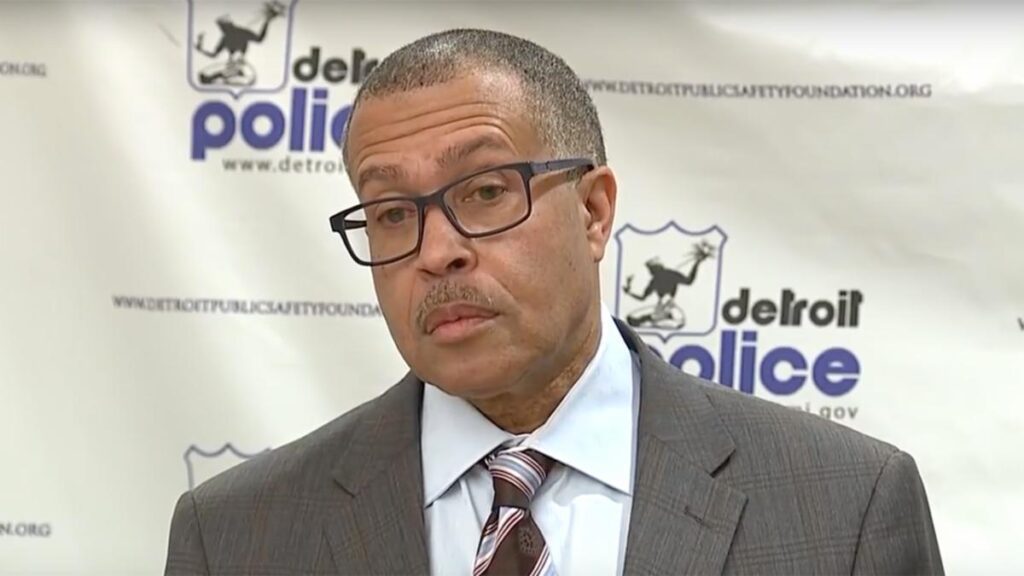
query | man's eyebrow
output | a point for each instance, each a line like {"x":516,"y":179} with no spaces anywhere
{"x":386,"y":172}
{"x":458,"y":152}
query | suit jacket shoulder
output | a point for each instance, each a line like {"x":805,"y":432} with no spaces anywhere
{"x":750,"y":486}
{"x":297,"y":467}
{"x":821,"y":497}
{"x":779,"y":440}
{"x":271,"y":510}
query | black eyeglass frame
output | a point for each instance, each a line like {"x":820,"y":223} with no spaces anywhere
{"x":527,"y":170}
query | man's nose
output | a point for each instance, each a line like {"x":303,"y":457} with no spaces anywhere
{"x":444,"y":250}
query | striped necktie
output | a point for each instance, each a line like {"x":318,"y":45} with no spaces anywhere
{"x":511,"y":543}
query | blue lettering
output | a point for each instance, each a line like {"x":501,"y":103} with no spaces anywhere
{"x":202,"y":138}
{"x":835,"y":371}
{"x":726,"y":357}
{"x":293,"y":120}
{"x":748,"y":361}
{"x":316,"y":138}
{"x":270,"y":112}
{"x":772,"y":359}
{"x":298,"y":120}
{"x":836,"y":362}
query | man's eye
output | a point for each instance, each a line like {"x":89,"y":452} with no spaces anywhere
{"x":487,"y":193}
{"x":393,"y":215}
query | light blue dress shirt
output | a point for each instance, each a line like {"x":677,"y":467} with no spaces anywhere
{"x":582,"y":508}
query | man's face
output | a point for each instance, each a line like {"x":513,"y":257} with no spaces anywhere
{"x":485,"y":316}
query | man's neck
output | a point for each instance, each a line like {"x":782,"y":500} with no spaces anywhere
{"x":525,"y":411}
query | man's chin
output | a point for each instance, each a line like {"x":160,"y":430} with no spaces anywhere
{"x":476,"y":367}
{"x":467,"y":387}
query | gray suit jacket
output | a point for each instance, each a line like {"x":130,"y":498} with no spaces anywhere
{"x":726,"y":484}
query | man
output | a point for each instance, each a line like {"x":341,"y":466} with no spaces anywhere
{"x":534,"y":434}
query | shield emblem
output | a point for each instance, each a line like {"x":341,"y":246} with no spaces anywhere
{"x":203,"y":465}
{"x":239,"y":46}
{"x":668,"y":281}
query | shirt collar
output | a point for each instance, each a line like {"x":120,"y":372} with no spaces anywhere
{"x":453,"y":438}
{"x":591,"y":431}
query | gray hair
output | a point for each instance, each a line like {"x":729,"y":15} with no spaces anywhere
{"x":564,"y":116}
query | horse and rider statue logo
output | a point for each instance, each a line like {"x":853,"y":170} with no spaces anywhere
{"x":232,"y":43}
{"x":669,"y":279}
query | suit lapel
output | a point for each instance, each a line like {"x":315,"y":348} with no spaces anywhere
{"x":683,"y":519}
{"x":378,"y":525}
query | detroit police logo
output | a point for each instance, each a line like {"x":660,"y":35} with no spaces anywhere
{"x":203,"y":465}
{"x":668,"y":280}
{"x":239,"y":46}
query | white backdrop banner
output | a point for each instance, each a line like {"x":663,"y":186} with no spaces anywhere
{"x":821,"y":206}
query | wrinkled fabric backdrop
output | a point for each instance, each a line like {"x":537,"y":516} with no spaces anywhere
{"x":174,"y":301}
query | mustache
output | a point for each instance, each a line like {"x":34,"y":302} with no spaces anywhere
{"x":447,"y":292}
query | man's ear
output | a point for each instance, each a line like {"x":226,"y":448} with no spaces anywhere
{"x":598,"y":191}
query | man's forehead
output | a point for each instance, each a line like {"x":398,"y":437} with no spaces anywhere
{"x":481,"y":82}
{"x":479,"y":111}
{"x":449,"y":156}
{"x":495,"y":89}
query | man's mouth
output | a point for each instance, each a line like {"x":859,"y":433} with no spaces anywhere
{"x":455,"y":313}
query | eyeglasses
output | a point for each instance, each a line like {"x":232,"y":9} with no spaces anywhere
{"x":481,"y":204}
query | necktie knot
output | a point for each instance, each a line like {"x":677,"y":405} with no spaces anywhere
{"x":517,"y":474}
